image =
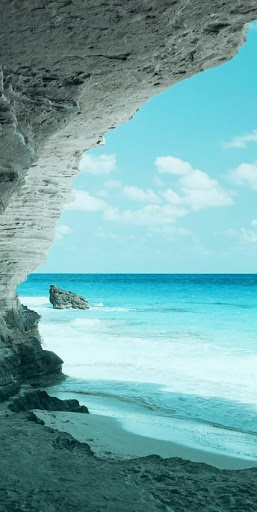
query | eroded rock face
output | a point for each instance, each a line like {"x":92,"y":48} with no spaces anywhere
{"x":69,"y":71}
{"x":22,"y":359}
{"x":41,"y":400}
{"x":63,"y":299}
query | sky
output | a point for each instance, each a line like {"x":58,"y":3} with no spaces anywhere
{"x":173,"y":190}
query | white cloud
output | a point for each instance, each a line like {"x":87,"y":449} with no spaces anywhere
{"x":193,"y":190}
{"x":108,"y":187}
{"x":214,"y":197}
{"x":171,"y":231}
{"x":171,"y":196}
{"x":62,"y":230}
{"x":83,"y":201}
{"x":100,"y":233}
{"x":196,"y":189}
{"x":245,"y":234}
{"x":200,"y":191}
{"x":245,"y":174}
{"x":138,"y":194}
{"x":172,"y":165}
{"x":97,"y":165}
{"x":102,"y":193}
{"x":249,"y":235}
{"x":197,"y":180}
{"x":241,"y":141}
{"x":158,"y":182}
{"x":229,"y":232}
{"x":149,"y":216}
{"x":154,"y":218}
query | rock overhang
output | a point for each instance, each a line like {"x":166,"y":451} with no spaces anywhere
{"x":70,"y":71}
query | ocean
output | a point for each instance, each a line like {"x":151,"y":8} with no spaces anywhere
{"x":170,"y":356}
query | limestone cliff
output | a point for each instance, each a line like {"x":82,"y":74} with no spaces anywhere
{"x":70,"y":71}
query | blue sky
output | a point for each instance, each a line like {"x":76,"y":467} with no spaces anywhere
{"x":173,"y":190}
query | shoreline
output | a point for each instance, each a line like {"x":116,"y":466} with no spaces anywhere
{"x":183,"y":437}
{"x":109,"y":440}
{"x":45,"y":470}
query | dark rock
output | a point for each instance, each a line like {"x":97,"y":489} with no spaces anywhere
{"x":22,"y":359}
{"x":63,"y":299}
{"x":8,"y":390}
{"x":37,"y":363}
{"x":41,"y":400}
{"x":65,"y":442}
{"x":9,"y":370}
{"x":33,"y":417}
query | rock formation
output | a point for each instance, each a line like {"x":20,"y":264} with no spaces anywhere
{"x":41,"y":400}
{"x":22,"y":358}
{"x":70,"y":70}
{"x":63,"y":299}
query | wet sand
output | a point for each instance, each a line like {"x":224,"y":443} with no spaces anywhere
{"x":107,"y":439}
{"x":44,"y":470}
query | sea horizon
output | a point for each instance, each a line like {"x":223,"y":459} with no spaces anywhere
{"x":150,"y":273}
{"x":173,"y":356}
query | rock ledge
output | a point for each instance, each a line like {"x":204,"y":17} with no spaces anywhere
{"x":39,"y":399}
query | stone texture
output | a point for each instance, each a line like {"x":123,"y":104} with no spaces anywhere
{"x":22,"y":359}
{"x":63,"y":299}
{"x":70,"y":70}
{"x":41,"y":400}
{"x":43,"y":470}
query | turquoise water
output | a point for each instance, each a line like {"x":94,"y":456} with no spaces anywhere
{"x":171,"y":355}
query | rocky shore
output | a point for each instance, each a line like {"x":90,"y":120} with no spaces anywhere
{"x":43,"y":470}
{"x":22,"y":358}
{"x":38,"y":399}
{"x":69,"y":72}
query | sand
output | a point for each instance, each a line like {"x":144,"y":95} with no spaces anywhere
{"x":107,"y":439}
{"x":44,"y":470}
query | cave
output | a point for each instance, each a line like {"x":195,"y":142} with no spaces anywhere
{"x":70,"y":72}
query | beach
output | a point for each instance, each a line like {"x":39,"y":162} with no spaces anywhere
{"x":130,"y":388}
{"x":170,"y":357}
{"x":107,"y":439}
{"x":166,"y":366}
{"x":48,"y":470}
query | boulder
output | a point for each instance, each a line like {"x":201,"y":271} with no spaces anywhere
{"x":63,"y":299}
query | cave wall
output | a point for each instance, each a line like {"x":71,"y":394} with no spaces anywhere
{"x":70,"y":70}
